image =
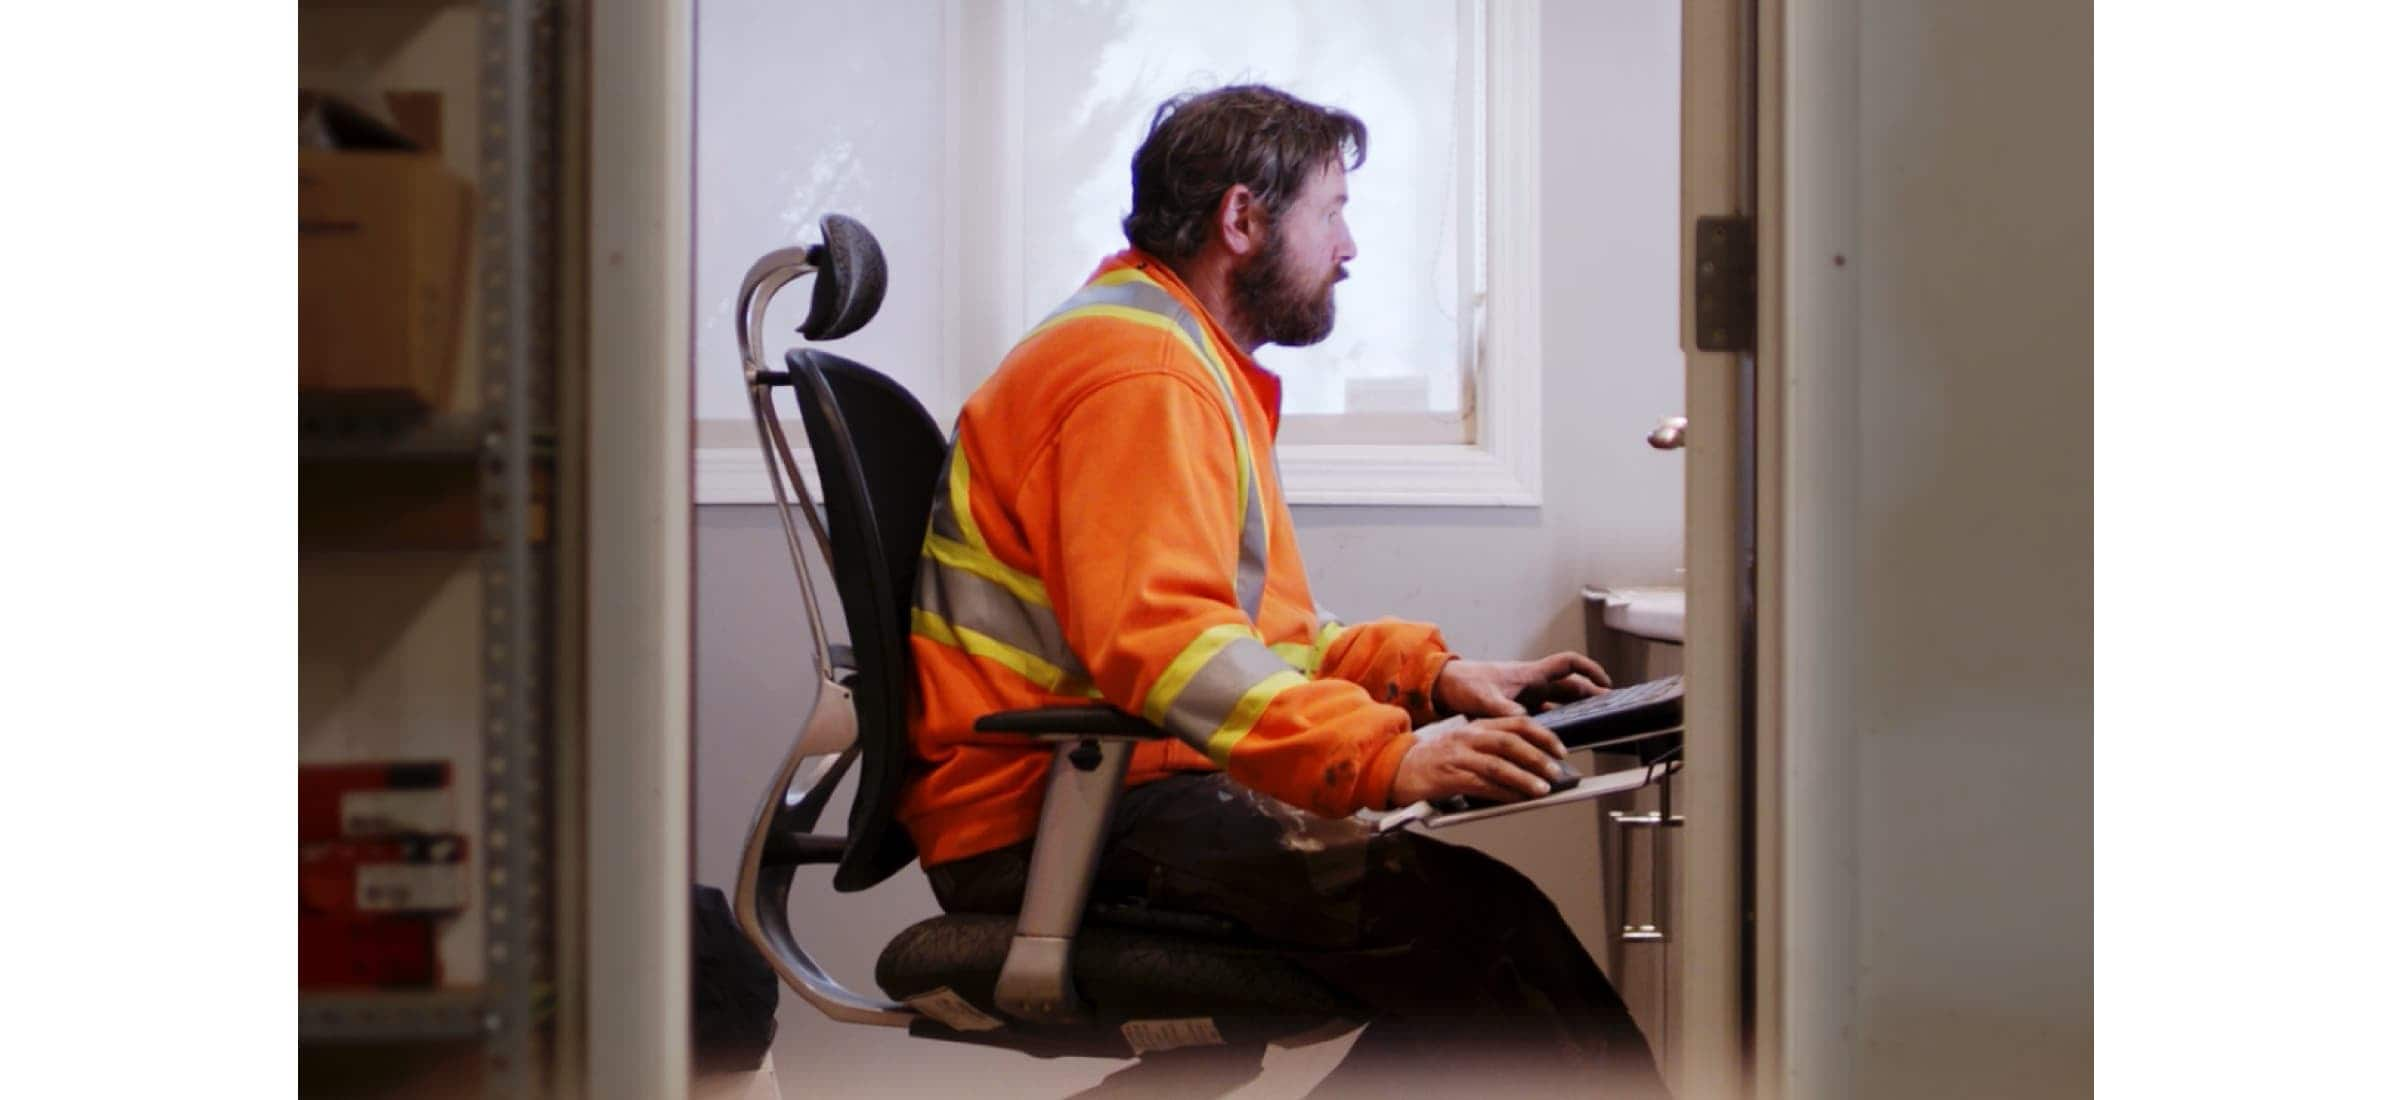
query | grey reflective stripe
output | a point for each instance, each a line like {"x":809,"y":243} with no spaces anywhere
{"x":1254,"y":554}
{"x":1210,"y":695}
{"x":1154,"y":299}
{"x":971,"y":601}
{"x":942,"y":509}
{"x":1254,"y":539}
{"x":1142,"y":295}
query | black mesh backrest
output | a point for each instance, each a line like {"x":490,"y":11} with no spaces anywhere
{"x":879,"y":455}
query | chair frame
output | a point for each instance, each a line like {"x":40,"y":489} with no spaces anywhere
{"x":1091,"y":747}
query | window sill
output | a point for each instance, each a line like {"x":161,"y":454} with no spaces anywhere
{"x":1438,"y":475}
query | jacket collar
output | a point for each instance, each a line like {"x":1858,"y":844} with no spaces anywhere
{"x":1259,"y":379}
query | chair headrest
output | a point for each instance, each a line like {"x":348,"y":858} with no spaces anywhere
{"x":850,"y":278}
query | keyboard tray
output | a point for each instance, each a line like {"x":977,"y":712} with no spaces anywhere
{"x":1428,"y":816}
{"x":1620,"y":715}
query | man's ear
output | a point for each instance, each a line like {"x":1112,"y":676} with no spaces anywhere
{"x":1239,"y":221}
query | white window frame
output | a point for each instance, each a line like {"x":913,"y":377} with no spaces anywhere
{"x":1500,"y":467}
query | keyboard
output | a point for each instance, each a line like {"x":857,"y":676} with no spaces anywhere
{"x":1619,"y":714}
{"x":1625,"y":720}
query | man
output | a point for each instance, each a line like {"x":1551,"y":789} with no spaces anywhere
{"x":1112,"y":526}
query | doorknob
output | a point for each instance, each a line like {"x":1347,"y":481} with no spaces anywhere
{"x":1670,"y":436}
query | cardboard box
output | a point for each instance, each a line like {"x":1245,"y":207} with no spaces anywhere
{"x":383,"y":243}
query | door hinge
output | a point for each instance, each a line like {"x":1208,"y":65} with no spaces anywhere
{"x":1726,"y":284}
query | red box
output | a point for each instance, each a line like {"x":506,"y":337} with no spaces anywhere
{"x":324,"y":787}
{"x":343,"y":952}
{"x":422,"y":874}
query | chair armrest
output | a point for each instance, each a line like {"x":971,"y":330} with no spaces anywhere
{"x":1083,"y":783}
{"x":1094,"y":720}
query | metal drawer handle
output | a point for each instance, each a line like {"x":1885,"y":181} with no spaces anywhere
{"x":1657,"y":930}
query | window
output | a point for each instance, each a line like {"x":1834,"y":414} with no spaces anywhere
{"x":1093,"y":75}
{"x":1426,"y":391}
{"x":779,"y":143}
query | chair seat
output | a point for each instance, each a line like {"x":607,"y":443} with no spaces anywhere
{"x":1250,"y":992}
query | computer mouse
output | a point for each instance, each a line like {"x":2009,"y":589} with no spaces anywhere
{"x":1461,"y":802}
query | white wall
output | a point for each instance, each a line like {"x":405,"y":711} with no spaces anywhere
{"x":1502,"y":582}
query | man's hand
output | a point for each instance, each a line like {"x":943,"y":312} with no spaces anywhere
{"x":1503,"y":759}
{"x":1486,"y":689}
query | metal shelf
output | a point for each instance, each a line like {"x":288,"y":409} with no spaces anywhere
{"x":336,"y":437}
{"x":368,"y":485}
{"x":453,"y":437}
{"x":391,"y":1016}
{"x":484,"y":480}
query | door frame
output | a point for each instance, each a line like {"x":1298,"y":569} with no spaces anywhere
{"x":640,"y":530}
{"x":1711,"y":1021}
{"x":1767,"y":965}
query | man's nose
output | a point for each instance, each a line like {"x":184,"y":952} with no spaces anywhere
{"x":1346,"y":249}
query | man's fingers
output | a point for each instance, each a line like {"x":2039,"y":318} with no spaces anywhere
{"x":1548,"y":741}
{"x":1529,"y":732}
{"x":1515,"y":780}
{"x":1542,"y":745}
{"x":1523,"y":742}
{"x":1471,"y":786}
{"x":1501,"y":707}
{"x":1577,"y":686}
{"x":1584,"y":665}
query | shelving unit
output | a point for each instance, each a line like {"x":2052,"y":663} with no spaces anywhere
{"x":436,"y":556}
{"x":377,"y":1016}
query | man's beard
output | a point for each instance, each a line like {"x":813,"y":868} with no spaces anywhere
{"x":1274,"y":303}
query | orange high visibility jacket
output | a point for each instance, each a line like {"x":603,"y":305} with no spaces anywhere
{"x":1111,"y":527}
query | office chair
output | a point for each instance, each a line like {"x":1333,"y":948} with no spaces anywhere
{"x":1062,"y":977}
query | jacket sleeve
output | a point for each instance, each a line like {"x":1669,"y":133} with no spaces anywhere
{"x":1139,"y":550}
{"x":1397,"y":662}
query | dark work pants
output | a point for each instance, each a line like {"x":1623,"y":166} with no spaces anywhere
{"x":1474,"y":978}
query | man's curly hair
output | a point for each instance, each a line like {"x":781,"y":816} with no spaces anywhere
{"x":1200,"y":144}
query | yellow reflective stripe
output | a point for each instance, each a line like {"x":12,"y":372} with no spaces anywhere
{"x":982,"y":564}
{"x":959,"y":496}
{"x":1309,"y":656}
{"x":1149,"y":319}
{"x":1135,"y":316}
{"x":1216,"y":360}
{"x":1184,"y":667}
{"x":1133,"y":275}
{"x":1028,"y":665}
{"x":1321,"y":641}
{"x":1122,"y":275}
{"x":1242,"y":717}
